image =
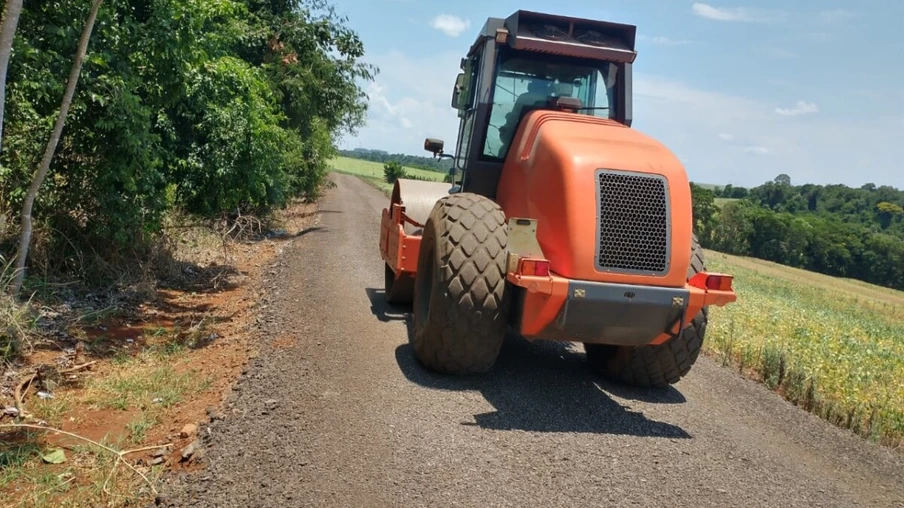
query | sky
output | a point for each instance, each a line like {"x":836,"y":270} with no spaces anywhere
{"x":739,"y":90}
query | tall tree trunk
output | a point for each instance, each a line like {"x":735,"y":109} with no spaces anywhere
{"x":7,"y":33}
{"x":25,"y":238}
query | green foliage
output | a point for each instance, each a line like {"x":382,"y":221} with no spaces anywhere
{"x":392,"y":171}
{"x":704,"y":209}
{"x":212,"y":106}
{"x":730,"y":192}
{"x":234,"y":157}
{"x":888,"y":213}
{"x":834,"y":229}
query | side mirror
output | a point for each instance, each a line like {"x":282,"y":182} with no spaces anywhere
{"x":434,"y":146}
{"x":456,"y":92}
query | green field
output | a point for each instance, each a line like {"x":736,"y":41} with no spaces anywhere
{"x":832,"y":346}
{"x":372,"y":172}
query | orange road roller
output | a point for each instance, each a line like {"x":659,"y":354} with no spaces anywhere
{"x":562,"y":222}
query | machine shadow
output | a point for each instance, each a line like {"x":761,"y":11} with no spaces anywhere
{"x":383,"y":310}
{"x":540,"y":387}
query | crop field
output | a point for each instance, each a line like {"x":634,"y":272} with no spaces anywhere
{"x":832,"y":346}
{"x":372,"y":172}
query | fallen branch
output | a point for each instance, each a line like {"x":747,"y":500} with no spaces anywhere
{"x":78,"y":367}
{"x":119,"y":454}
{"x":146,"y":448}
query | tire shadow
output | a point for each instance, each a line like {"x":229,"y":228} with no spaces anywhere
{"x":543,"y":386}
{"x":383,"y":310}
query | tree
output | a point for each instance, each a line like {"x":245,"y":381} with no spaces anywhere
{"x":392,"y":171}
{"x":733,"y":229}
{"x":888,"y":212}
{"x":41,"y":173}
{"x":783,"y":179}
{"x":704,"y":211}
{"x":7,"y":34}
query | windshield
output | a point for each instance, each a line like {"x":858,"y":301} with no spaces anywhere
{"x":525,"y":81}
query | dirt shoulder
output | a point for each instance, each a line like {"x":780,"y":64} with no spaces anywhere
{"x":133,"y":375}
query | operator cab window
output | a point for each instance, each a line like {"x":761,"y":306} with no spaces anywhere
{"x":527,"y":80}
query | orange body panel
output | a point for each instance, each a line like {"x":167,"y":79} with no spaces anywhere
{"x":397,"y":249}
{"x":549,"y":175}
{"x":544,"y":298}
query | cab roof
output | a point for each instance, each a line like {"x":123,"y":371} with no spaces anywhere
{"x":564,"y":35}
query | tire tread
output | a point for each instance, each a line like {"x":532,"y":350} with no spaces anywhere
{"x":466,"y":324}
{"x":655,"y":365}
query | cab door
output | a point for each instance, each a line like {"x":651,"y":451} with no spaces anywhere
{"x":467,"y":108}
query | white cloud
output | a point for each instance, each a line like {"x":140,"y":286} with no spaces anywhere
{"x":724,"y":136}
{"x":799,"y":108}
{"x":449,"y":24}
{"x":664,"y":41}
{"x":403,"y":111}
{"x":686,"y":119}
{"x":736,"y":13}
{"x":759,"y":150}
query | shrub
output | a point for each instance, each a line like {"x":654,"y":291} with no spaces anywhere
{"x":392,"y":171}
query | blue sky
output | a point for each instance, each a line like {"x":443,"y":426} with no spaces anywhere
{"x":741,"y":91}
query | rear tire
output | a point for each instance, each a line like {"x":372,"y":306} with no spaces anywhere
{"x":660,"y":365}
{"x":460,"y":300}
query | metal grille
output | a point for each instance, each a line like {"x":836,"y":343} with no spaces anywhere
{"x":633,"y":223}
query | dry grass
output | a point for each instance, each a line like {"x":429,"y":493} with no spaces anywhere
{"x":142,"y":388}
{"x":150,"y":382}
{"x":16,"y":319}
{"x":92,"y":474}
{"x":832,"y":346}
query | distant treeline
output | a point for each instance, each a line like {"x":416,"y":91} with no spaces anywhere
{"x":411,"y":161}
{"x":832,"y":229}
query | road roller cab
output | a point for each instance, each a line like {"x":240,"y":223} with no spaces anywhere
{"x":562,"y":222}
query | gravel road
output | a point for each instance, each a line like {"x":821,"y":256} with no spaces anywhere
{"x":335,"y":411}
